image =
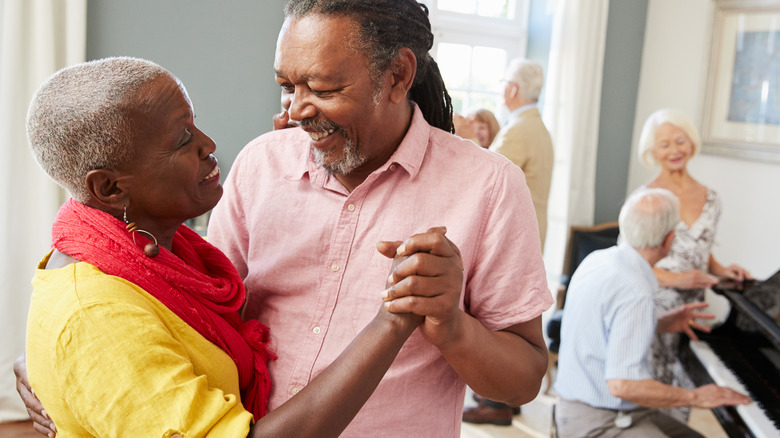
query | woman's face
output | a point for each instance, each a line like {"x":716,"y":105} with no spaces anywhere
{"x":174,"y":175}
{"x":672,"y":148}
{"x":482,"y":131}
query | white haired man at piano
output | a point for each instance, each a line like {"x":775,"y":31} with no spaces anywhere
{"x":605,"y":378}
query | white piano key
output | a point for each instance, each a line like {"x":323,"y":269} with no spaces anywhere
{"x":753,"y":416}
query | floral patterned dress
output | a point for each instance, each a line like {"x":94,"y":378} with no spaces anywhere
{"x":690,"y":250}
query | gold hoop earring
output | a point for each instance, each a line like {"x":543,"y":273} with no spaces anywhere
{"x":151,"y":249}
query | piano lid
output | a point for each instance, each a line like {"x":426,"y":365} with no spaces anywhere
{"x":757,"y":304}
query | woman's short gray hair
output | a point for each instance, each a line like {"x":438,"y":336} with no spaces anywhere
{"x":81,"y":118}
{"x":647,"y":216}
{"x":658,"y":118}
{"x":528,"y":76}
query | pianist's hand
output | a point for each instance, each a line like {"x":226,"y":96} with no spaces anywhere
{"x":714,"y":396}
{"x":41,"y":421}
{"x":683,"y":319}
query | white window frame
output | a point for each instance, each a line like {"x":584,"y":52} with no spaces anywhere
{"x":509,"y":34}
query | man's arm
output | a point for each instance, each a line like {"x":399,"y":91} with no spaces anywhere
{"x":654,"y":394}
{"x":506,"y":365}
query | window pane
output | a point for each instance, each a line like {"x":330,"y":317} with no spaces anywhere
{"x":462,"y":6}
{"x":454,"y":63}
{"x":488,"y":69}
{"x":493,"y":8}
{"x":458,"y":100}
{"x":484,"y":101}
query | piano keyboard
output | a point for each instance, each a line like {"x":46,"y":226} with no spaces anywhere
{"x":753,"y":415}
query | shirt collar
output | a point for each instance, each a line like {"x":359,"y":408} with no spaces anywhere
{"x":639,"y":261}
{"x":522,"y":109}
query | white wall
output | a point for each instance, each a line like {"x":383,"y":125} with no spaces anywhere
{"x":673,"y":74}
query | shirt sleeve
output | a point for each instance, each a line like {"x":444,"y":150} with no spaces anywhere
{"x":508,"y":284}
{"x":630,"y":332}
{"x":122,"y":373}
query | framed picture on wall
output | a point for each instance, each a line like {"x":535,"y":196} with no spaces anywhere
{"x":741,"y":116}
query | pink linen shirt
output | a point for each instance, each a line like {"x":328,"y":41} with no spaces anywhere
{"x":306,"y":248}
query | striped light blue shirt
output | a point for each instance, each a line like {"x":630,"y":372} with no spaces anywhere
{"x":607,"y":328}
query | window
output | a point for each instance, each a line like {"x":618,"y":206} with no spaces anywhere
{"x":474,"y":41}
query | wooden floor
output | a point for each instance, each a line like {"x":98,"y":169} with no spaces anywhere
{"x":18,"y":429}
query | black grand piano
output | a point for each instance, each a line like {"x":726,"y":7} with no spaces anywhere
{"x":743,"y":354}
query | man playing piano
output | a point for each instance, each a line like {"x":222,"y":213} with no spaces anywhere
{"x":605,"y":379}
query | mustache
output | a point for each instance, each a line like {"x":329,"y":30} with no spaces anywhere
{"x":319,"y":125}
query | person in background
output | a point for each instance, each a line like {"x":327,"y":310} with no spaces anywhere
{"x":524,"y":139}
{"x":134,"y":326}
{"x":605,"y":379}
{"x":480,"y":126}
{"x":670,"y":140}
{"x":527,"y":143}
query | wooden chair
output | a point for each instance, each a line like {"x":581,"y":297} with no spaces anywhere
{"x":582,"y":241}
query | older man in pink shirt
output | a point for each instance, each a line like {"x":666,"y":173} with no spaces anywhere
{"x":304,"y":208}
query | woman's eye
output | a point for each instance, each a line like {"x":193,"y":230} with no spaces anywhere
{"x":186,"y":138}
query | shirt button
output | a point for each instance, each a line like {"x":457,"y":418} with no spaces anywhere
{"x":334,"y":267}
{"x":351,"y":207}
{"x":316,"y":330}
{"x":294,"y":391}
{"x":392,"y":167}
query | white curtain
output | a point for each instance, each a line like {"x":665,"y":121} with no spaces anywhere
{"x":37,"y":37}
{"x":571,"y":113}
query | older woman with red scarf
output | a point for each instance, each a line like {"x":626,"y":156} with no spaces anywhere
{"x":134,"y":327}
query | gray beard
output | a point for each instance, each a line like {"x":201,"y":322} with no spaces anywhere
{"x":351,"y":159}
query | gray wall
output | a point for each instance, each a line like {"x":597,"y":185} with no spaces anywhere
{"x":622,"y":61}
{"x":223,"y":55}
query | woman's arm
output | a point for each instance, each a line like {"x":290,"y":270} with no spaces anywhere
{"x":732,"y":272}
{"x":692,"y":279}
{"x":331,"y":400}
{"x":328,"y":403}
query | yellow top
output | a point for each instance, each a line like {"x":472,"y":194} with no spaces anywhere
{"x":107,"y":359}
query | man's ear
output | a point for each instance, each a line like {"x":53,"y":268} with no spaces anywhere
{"x":403,"y":69}
{"x":668,"y":240}
{"x":105,"y":189}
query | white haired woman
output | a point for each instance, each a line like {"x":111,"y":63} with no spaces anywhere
{"x":669,"y":140}
{"x":134,"y":327}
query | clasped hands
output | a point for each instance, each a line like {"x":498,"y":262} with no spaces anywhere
{"x":426,"y":280}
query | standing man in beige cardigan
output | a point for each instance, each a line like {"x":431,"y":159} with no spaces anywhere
{"x":524,"y":139}
{"x":527,"y":143}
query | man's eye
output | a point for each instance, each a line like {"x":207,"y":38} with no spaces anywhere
{"x":287,"y":88}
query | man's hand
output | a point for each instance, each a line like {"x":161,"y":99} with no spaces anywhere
{"x":683,"y":319}
{"x":389,"y":250}
{"x":427,"y":280}
{"x":41,"y":421}
{"x":713,"y":396}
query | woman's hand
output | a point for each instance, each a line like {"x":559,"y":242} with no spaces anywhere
{"x":736,"y":273}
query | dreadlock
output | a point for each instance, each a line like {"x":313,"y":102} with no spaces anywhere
{"x":385,"y":27}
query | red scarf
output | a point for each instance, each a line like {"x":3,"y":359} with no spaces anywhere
{"x":196,"y":282}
